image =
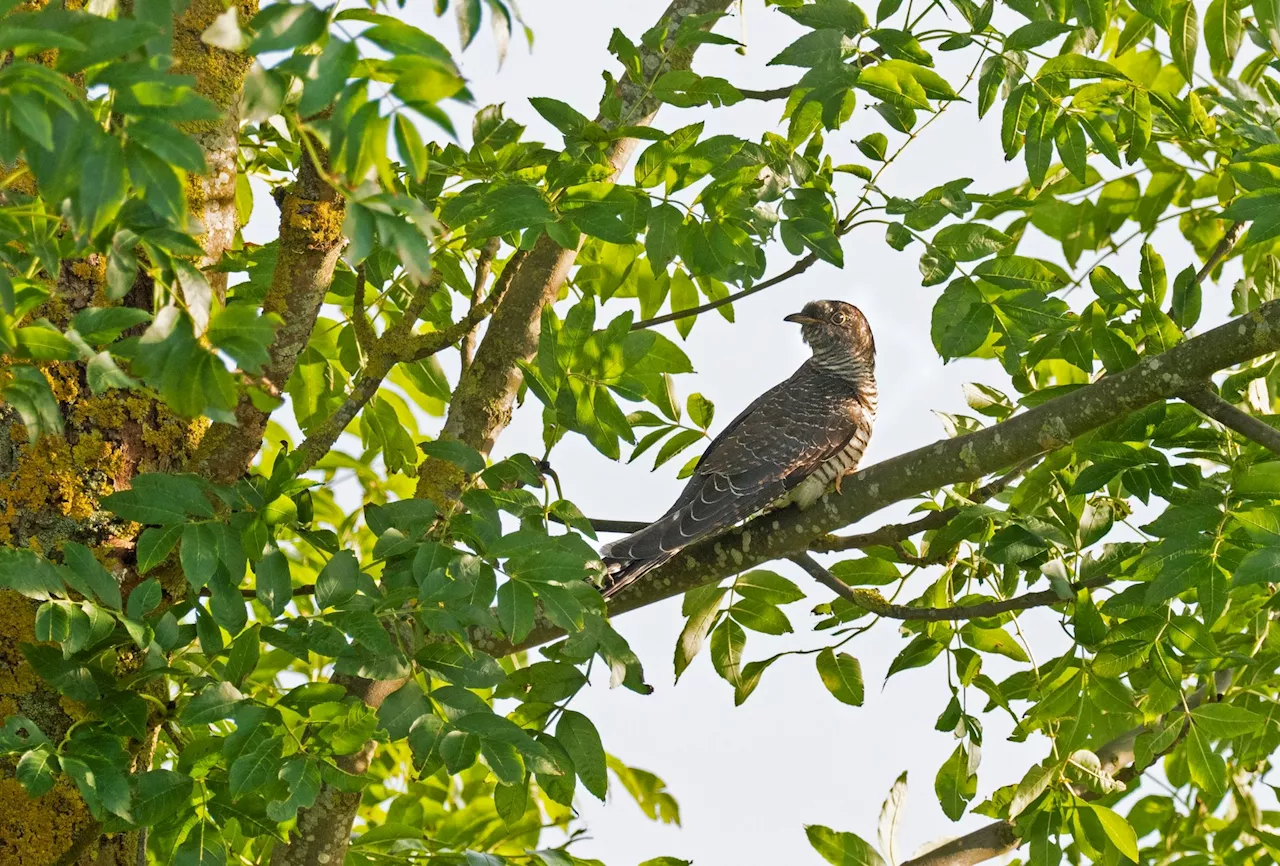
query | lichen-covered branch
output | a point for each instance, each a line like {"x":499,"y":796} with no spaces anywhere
{"x":311,"y":216}
{"x":482,"y":403}
{"x":782,"y":534}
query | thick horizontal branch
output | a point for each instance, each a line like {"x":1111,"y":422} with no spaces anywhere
{"x":783,"y":534}
{"x":1116,"y":759}
{"x":873,"y":601}
{"x":1254,"y":429}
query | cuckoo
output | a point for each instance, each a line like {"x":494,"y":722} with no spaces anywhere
{"x":789,"y":446}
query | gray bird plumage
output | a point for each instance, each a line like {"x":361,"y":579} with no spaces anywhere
{"x":787,"y":446}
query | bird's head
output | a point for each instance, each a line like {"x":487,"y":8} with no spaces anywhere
{"x":839,"y":335}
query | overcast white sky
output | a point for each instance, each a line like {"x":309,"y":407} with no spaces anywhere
{"x":749,"y":778}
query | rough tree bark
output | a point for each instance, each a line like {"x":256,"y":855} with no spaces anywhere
{"x":311,"y":216}
{"x":49,"y":490}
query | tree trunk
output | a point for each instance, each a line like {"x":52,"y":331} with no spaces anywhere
{"x":49,"y":489}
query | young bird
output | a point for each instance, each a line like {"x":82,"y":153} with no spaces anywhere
{"x":787,"y":447}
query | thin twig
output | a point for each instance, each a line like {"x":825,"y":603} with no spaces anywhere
{"x":1221,"y":251}
{"x":1254,"y":429}
{"x":768,"y":95}
{"x":795,"y":270}
{"x":873,"y":601}
{"x":360,"y":322}
{"x":425,"y":345}
{"x":487,"y":252}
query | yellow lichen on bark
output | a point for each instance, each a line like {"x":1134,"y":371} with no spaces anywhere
{"x":34,"y":832}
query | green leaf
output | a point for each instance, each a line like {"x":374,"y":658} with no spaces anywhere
{"x":1118,"y":831}
{"x":259,"y":765}
{"x":922,"y":650}
{"x":841,"y":15}
{"x":969,"y":242}
{"x":450,"y":662}
{"x":83,"y":563}
{"x":161,"y":499}
{"x":767,"y":587}
{"x":560,"y":115}
{"x":159,"y":794}
{"x":660,"y":242}
{"x":27,"y":573}
{"x":273,"y":586}
{"x":37,"y":771}
{"x":1039,"y":143}
{"x":1186,"y":303}
{"x":580,"y":739}
{"x":1070,"y":66}
{"x":842,"y":849}
{"x":956,"y":783}
{"x":701,"y":607}
{"x":1223,"y":32}
{"x":842,"y":675}
{"x":1184,"y":39}
{"x":28,"y":392}
{"x":516,"y":609}
{"x":1223,"y":721}
{"x":1072,"y":147}
{"x":962,"y":319}
{"x":202,"y":847}
{"x":1208,"y":769}
{"x":338,"y":580}
{"x":402,"y":708}
{"x":1035,"y":34}
{"x":1151,"y":274}
{"x":199,"y":553}
{"x":760,"y":616}
{"x":1019,"y":272}
{"x":215,"y":703}
{"x":244,"y":333}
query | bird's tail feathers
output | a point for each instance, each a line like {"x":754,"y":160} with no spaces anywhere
{"x":621,"y":573}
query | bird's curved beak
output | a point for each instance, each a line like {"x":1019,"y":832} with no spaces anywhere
{"x":802,"y":319}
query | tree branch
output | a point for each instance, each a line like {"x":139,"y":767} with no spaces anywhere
{"x":393,"y":347}
{"x":1254,"y":429}
{"x":873,"y":601}
{"x":785,"y":533}
{"x":798,"y":268}
{"x":1221,"y":251}
{"x":487,"y":252}
{"x":311,"y":215}
{"x":1117,"y":760}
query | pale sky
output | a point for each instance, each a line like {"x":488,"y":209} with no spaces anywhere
{"x":749,"y":778}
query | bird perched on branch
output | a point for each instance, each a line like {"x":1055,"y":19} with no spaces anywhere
{"x":789,"y":446}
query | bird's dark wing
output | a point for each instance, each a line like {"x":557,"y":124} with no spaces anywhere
{"x":775,"y":443}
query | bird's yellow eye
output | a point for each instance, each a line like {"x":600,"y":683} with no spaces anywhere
{"x":837,"y":318}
